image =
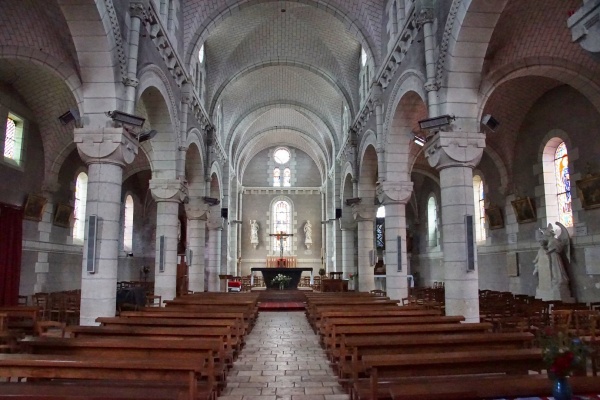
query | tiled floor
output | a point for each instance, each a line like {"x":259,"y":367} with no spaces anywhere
{"x":282,"y":360}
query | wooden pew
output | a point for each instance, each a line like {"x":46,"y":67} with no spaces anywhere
{"x":333,"y":342}
{"x":372,"y":313}
{"x":479,"y":387}
{"x":393,"y":366}
{"x":250,"y":313}
{"x":206,"y":352}
{"x":313,"y":313}
{"x":172,"y":313}
{"x":38,"y":366}
{"x":21,"y":318}
{"x":353,"y":348}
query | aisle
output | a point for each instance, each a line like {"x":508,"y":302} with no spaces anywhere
{"x":282,"y":360}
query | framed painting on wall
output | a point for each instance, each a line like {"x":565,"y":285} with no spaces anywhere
{"x":588,"y":190}
{"x":34,"y":207}
{"x":494,"y":217}
{"x":62,"y":216}
{"x":524,"y":210}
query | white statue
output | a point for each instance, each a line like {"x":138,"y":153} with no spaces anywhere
{"x":308,"y":234}
{"x":254,"y":232}
{"x":551,"y":263}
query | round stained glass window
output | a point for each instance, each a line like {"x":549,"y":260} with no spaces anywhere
{"x":281,"y":156}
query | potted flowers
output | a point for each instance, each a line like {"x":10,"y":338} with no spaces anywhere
{"x":321,"y":272}
{"x":281,"y":281}
{"x":563,"y":355}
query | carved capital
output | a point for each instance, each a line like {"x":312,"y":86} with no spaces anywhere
{"x":585,"y":26}
{"x":363,"y":212}
{"x":130,"y":82}
{"x":105,"y":145}
{"x":455,"y":149}
{"x":431,"y":86}
{"x":394,"y":192}
{"x":425,"y":16}
{"x":137,"y":9}
{"x":168,"y":190}
{"x":197,"y":209}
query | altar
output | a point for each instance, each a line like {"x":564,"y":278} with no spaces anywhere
{"x":270,"y":273}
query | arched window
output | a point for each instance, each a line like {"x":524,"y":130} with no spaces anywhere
{"x":128,"y":224}
{"x":479,"y":203}
{"x":13,"y":139}
{"x":363,"y":57}
{"x":432,"y":222}
{"x":380,"y":228}
{"x":282,"y":222}
{"x":201,"y":54}
{"x":287,"y":177}
{"x":277,"y":177}
{"x":563,"y":185}
{"x":80,"y":202}
{"x":557,"y":182}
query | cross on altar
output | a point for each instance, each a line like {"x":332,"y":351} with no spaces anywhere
{"x":281,"y":236}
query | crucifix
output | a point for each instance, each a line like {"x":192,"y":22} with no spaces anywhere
{"x":281,"y":236}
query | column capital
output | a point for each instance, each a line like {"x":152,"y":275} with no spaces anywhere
{"x":363,"y":212}
{"x":105,"y":145}
{"x":137,"y":8}
{"x":197,"y":209}
{"x":168,"y":190}
{"x":455,"y":149}
{"x":394,"y":192}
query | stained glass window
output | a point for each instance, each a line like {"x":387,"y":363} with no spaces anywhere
{"x":128,"y":229}
{"x":479,"y":203}
{"x":563,"y":185}
{"x":432,"y":228}
{"x":276,"y":177}
{"x":80,"y":202}
{"x":10,"y":139}
{"x":282,"y":218}
{"x":287,"y":177}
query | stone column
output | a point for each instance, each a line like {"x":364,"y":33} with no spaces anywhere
{"x":348,"y":248}
{"x":454,"y":155}
{"x":105,"y":151}
{"x":394,"y":196}
{"x":364,"y":214}
{"x":42,"y":267}
{"x":167,"y":193}
{"x":215,"y":230}
{"x":197,"y":213}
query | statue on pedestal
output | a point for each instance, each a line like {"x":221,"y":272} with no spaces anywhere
{"x":308,"y":234}
{"x":551,"y":264}
{"x":254,"y":233}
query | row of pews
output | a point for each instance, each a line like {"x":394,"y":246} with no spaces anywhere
{"x":181,"y":351}
{"x":381,"y":350}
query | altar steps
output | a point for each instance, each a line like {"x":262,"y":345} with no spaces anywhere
{"x":281,"y":300}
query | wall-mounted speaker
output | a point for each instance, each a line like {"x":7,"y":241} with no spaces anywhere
{"x":91,"y":244}
{"x":224,"y":213}
{"x":490,"y":122}
{"x":470,"y":243}
{"x":161,"y":254}
{"x":338,"y":213}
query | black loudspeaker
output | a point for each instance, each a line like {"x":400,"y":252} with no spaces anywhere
{"x":338,"y":213}
{"x":224,"y":213}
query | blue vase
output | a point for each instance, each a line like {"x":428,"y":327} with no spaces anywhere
{"x":561,"y":388}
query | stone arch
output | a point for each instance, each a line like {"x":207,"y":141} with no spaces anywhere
{"x":194,"y":171}
{"x":98,"y":17}
{"x":500,"y":167}
{"x":468,"y":30}
{"x":368,"y":173}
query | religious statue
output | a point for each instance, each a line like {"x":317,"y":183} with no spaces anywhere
{"x":308,"y":234}
{"x":551,"y":264}
{"x":254,"y":232}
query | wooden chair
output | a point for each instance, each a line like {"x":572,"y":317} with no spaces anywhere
{"x":22,"y":300}
{"x":41,"y":300}
{"x":153,"y":301}
{"x":560,"y":320}
{"x":50,"y":328}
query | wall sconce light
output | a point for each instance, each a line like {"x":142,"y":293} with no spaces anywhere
{"x":490,"y":122}
{"x":71,"y":115}
{"x":211,"y":201}
{"x":146,"y":135}
{"x":419,"y":140}
{"x":436,"y":122}
{"x":124,"y":118}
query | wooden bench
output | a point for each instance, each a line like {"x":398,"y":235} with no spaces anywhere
{"x":20,"y":318}
{"x":250,"y":313}
{"x":39,"y":366}
{"x":353,"y":348}
{"x":319,"y":317}
{"x":390,"y":367}
{"x":149,"y":313}
{"x":479,"y":387}
{"x":207,"y":353}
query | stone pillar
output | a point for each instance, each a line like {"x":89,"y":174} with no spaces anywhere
{"x":348,"y":248}
{"x":167,"y":193}
{"x":454,"y":155}
{"x":364,"y":214}
{"x":42,"y":267}
{"x":197,"y":213}
{"x":394,"y":196}
{"x":215,"y":230}
{"x":105,"y":151}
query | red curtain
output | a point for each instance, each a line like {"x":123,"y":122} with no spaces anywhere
{"x":11,"y":239}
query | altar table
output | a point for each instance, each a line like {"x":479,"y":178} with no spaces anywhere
{"x":270,"y":273}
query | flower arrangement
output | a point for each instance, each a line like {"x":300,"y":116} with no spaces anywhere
{"x":281,"y":280}
{"x":563,"y":354}
{"x":322,"y":271}
{"x":352,"y":276}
